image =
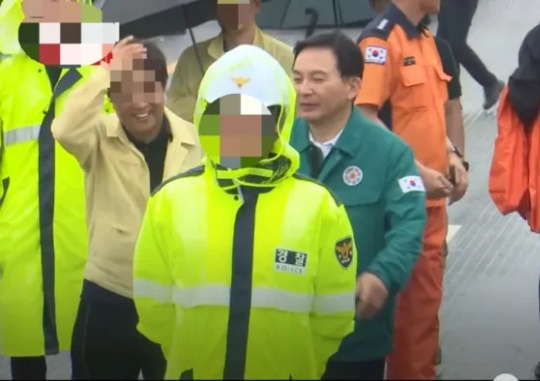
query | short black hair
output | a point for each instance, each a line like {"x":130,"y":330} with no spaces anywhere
{"x":350,"y":61}
{"x":155,"y":61}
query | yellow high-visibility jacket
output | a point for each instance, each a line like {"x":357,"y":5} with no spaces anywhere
{"x":4,"y":179}
{"x":43,"y":236}
{"x":250,"y":290}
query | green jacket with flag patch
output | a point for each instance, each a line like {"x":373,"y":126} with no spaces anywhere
{"x":373,"y":172}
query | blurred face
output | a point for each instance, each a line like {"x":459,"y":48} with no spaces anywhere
{"x":235,"y":15}
{"x":65,"y":32}
{"x":322,"y":91}
{"x":431,"y":6}
{"x":139,"y":99}
{"x":52,"y":11}
{"x":237,"y":131}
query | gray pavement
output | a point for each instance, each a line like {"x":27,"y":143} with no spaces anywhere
{"x":489,"y":316}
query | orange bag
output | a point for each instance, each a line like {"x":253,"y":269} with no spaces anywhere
{"x":509,"y":172}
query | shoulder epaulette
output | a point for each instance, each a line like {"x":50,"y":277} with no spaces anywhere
{"x":197,"y":171}
{"x":380,"y":27}
{"x":299,"y":176}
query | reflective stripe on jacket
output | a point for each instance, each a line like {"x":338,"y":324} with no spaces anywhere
{"x":245,"y":289}
{"x":43,"y":239}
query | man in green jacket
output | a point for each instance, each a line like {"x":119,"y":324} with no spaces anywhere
{"x":373,"y":172}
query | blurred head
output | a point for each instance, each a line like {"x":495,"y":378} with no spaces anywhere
{"x":244,"y":114}
{"x":326,"y":74}
{"x":65,"y":32}
{"x":52,"y":11}
{"x":239,"y":129}
{"x":138,"y":92}
{"x":236,"y":15}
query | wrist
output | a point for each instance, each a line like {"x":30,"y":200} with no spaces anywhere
{"x":460,"y":157}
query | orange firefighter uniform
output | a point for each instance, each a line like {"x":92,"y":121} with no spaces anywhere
{"x":404,"y":78}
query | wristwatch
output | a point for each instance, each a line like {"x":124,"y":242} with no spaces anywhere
{"x":455,"y":150}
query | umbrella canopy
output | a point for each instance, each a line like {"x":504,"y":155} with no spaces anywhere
{"x":305,"y":14}
{"x":147,"y":19}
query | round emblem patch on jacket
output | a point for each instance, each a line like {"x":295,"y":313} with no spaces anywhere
{"x":352,"y":175}
{"x":344,"y":251}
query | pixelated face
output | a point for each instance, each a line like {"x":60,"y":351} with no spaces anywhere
{"x":321,"y":90}
{"x":138,"y":98}
{"x":237,"y":131}
{"x":65,"y":33}
{"x":235,"y":14}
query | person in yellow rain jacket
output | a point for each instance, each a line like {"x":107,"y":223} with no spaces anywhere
{"x":238,"y":26}
{"x":243,"y":269}
{"x":43,"y":237}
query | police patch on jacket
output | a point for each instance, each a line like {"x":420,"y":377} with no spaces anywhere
{"x":344,"y":251}
{"x":290,"y":261}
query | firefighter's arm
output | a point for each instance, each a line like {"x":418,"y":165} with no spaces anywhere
{"x":332,"y":315}
{"x":181,"y":99}
{"x":152,"y":281}
{"x":454,"y":122}
{"x":377,"y":77}
{"x":454,"y":118}
{"x":75,"y":128}
{"x":405,"y":213}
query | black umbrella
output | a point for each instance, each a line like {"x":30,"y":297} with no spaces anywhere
{"x":146,"y":19}
{"x":311,"y":14}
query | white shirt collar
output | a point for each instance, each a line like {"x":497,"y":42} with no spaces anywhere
{"x":326,"y":146}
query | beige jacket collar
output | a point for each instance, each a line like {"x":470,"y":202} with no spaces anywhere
{"x":215,"y":48}
{"x":176,"y":153}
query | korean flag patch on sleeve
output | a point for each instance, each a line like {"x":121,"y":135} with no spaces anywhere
{"x":376,"y":55}
{"x":411,"y":184}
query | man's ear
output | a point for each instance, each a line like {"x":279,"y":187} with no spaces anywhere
{"x":354,"y":86}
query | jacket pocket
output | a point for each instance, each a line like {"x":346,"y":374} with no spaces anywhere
{"x":415,"y":87}
{"x":187,"y":375}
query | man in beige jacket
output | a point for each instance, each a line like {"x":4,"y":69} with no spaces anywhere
{"x":124,"y":156}
{"x":238,"y":26}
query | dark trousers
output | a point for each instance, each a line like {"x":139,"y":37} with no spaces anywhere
{"x":28,"y":368}
{"x":455,"y":18}
{"x":360,"y":370}
{"x":107,"y":345}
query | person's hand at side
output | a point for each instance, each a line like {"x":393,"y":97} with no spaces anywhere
{"x":461,"y":178}
{"x":371,"y":294}
{"x":436,"y":183}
